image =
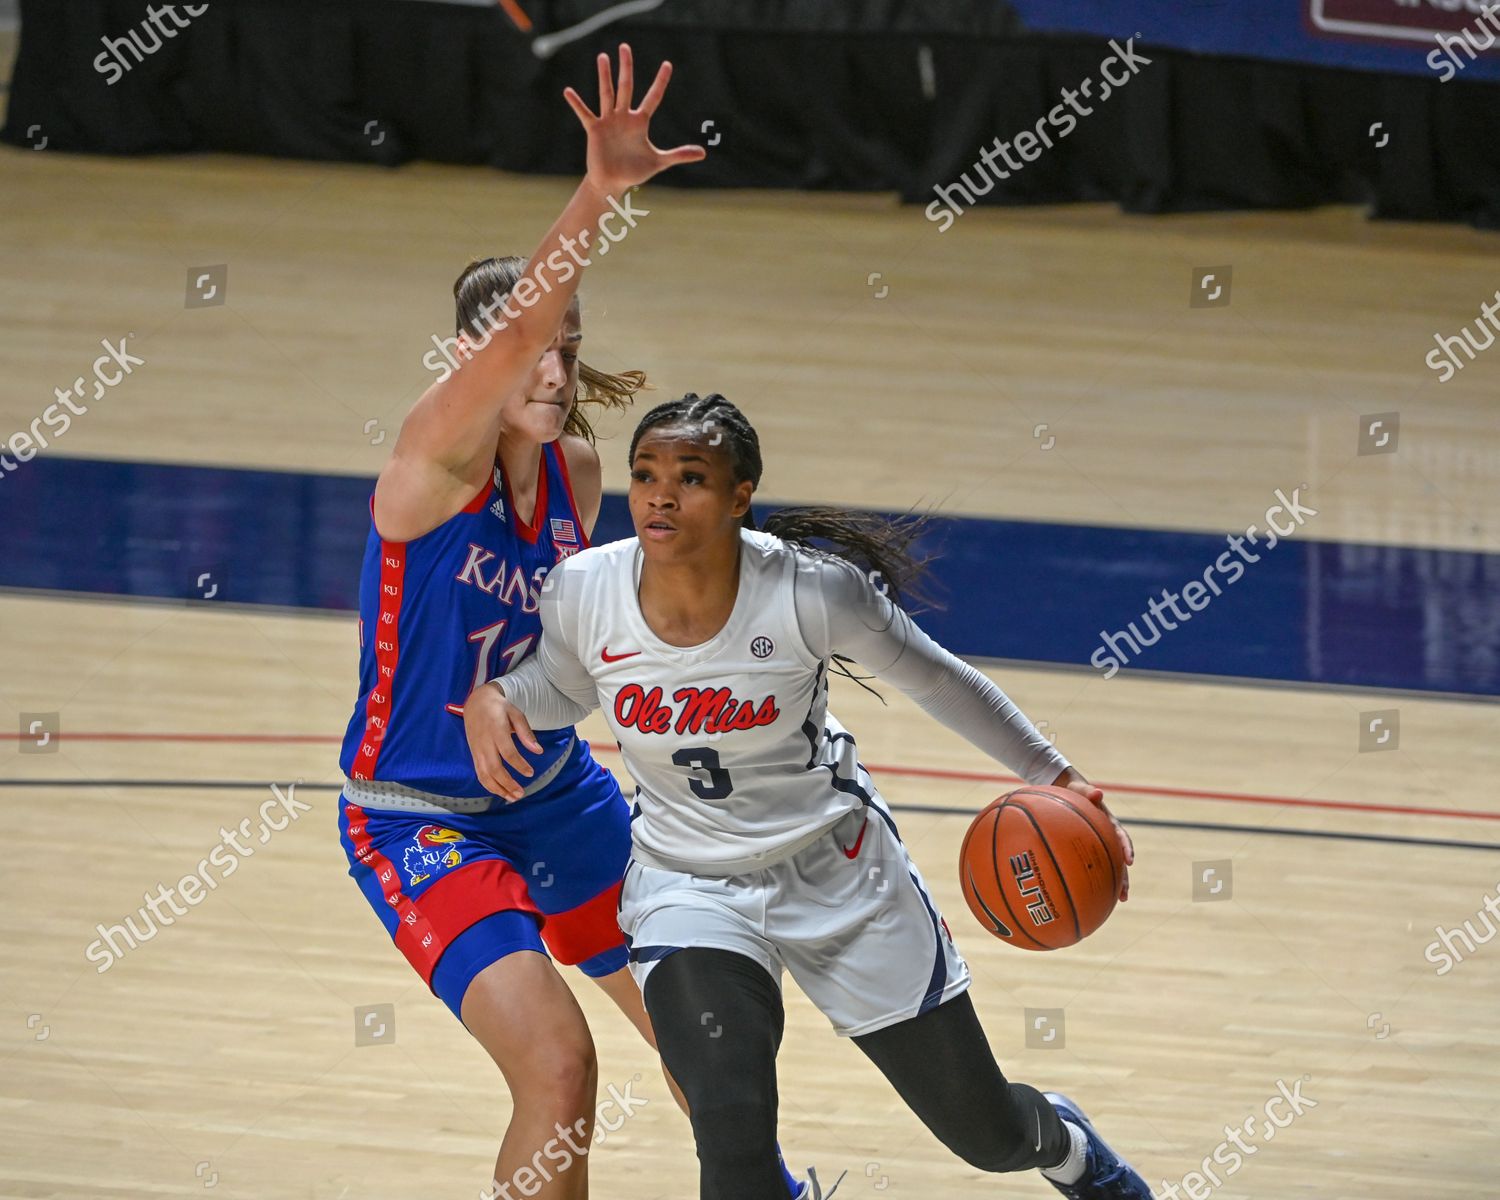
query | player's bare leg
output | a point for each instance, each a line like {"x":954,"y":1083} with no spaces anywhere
{"x":526,"y":1017}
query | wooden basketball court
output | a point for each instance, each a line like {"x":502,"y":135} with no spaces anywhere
{"x":886,"y":365}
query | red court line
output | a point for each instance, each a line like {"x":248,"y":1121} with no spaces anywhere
{"x":1134,"y":789}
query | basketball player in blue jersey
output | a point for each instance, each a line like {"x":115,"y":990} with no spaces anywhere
{"x":492,"y":481}
{"x":761,"y":843}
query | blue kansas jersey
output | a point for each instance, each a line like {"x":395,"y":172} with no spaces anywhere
{"x":441,"y":614}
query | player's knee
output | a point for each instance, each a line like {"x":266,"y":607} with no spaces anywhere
{"x":724,"y":1092}
{"x":575,"y":1074}
{"x":734,"y":1122}
{"x":730,"y":1150}
{"x":559,"y":1080}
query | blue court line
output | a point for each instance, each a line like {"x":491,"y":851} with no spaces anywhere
{"x":240,"y":785}
{"x":1307,"y":612}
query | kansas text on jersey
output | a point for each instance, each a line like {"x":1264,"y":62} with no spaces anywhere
{"x":441,"y":614}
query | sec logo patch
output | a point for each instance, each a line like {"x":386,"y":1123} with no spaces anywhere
{"x":762,"y":647}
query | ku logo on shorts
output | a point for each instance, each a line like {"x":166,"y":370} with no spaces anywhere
{"x":431,"y":851}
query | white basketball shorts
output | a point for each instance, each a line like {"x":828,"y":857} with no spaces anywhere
{"x":848,"y":916}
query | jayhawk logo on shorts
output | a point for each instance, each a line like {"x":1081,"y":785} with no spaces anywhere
{"x":432,"y":850}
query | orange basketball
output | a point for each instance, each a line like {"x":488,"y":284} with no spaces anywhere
{"x":1041,"y":868}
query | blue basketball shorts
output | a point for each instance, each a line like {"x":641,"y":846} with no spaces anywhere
{"x":459,"y":891}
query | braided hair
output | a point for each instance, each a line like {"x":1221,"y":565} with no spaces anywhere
{"x":880,"y":546}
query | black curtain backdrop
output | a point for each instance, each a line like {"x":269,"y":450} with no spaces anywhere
{"x":896,"y":97}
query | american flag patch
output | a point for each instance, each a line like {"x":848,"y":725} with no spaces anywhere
{"x":563,"y":531}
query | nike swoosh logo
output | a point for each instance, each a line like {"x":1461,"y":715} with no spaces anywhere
{"x":1000,"y":926}
{"x":608,"y":657}
{"x":854,"y":853}
{"x":1039,"y":1131}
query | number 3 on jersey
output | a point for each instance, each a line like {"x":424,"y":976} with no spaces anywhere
{"x":706,"y":760}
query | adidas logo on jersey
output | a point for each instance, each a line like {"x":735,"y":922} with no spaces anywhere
{"x":498,"y":508}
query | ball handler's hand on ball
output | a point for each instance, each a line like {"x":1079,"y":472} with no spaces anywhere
{"x":620,"y":152}
{"x":493,"y":725}
{"x":1075,"y":782}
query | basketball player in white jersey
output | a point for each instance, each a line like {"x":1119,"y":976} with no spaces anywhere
{"x":759,"y":841}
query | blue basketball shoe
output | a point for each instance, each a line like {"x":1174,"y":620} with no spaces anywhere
{"x":1106,"y":1176}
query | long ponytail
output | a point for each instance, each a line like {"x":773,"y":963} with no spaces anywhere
{"x":879,"y":546}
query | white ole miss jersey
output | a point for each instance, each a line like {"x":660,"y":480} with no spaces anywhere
{"x":736,"y":760}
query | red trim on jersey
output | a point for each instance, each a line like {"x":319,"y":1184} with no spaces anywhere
{"x":387,"y":651}
{"x":591,"y":928}
{"x":562,"y":467}
{"x":452,"y":904}
{"x":528,"y":533}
